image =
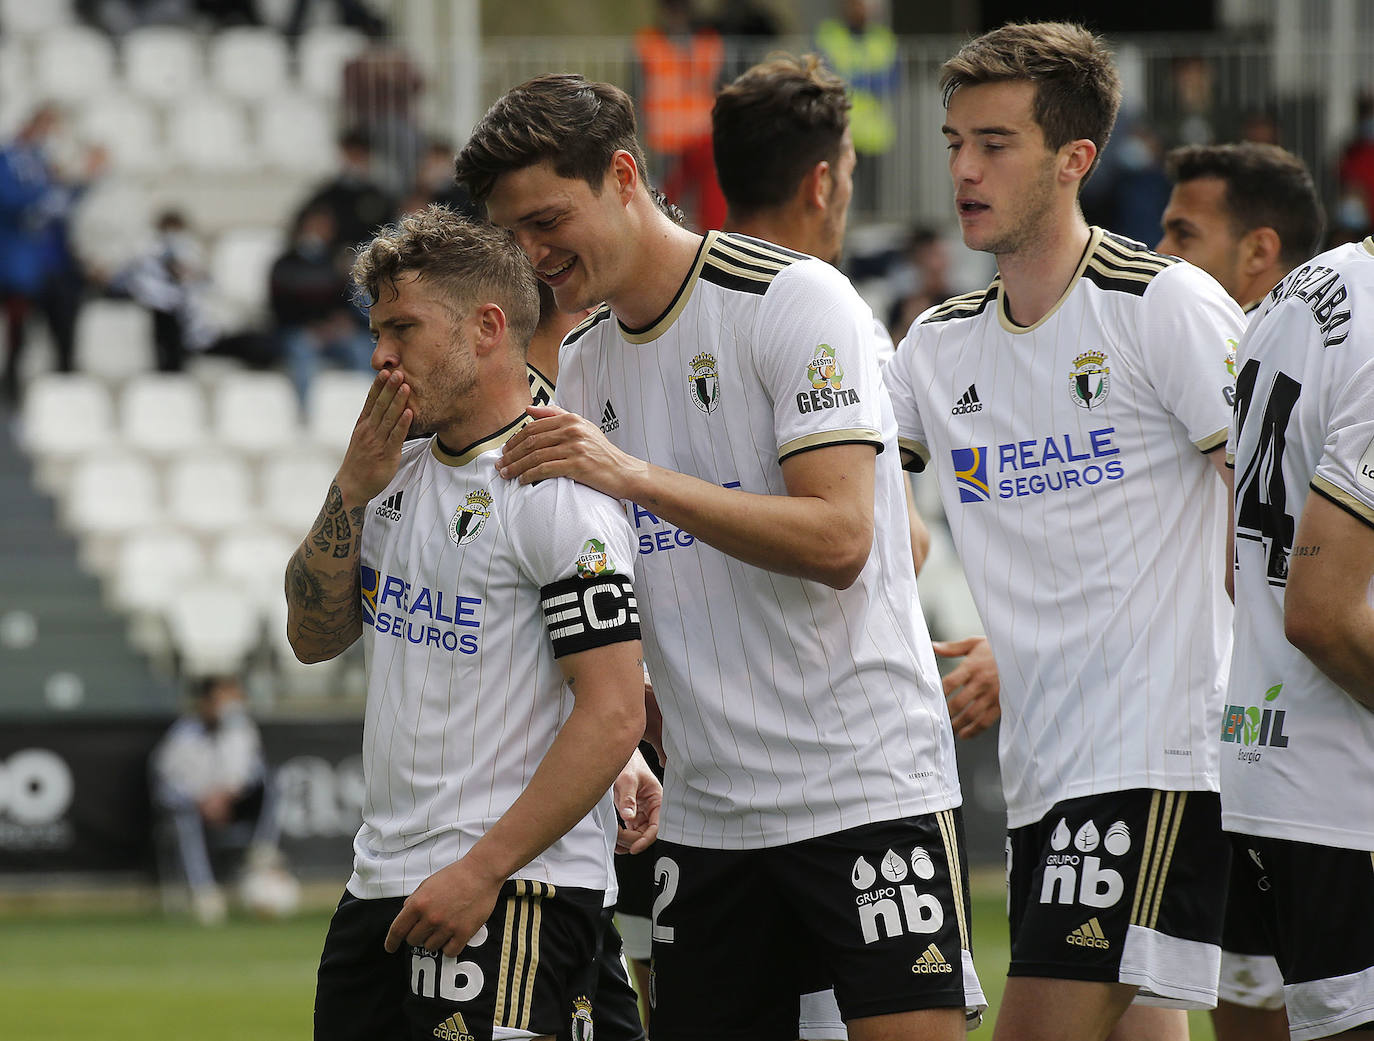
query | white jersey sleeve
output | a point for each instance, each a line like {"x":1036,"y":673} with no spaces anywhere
{"x":1345,"y":471}
{"x":812,"y":348}
{"x":1188,"y":333}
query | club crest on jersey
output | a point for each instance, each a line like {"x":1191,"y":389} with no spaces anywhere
{"x":582,"y":1019}
{"x":824,"y":370}
{"x":703,"y":383}
{"x":470,"y":518}
{"x":1088,"y":382}
{"x":594,"y":561}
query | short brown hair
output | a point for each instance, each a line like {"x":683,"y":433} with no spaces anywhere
{"x":1266,"y":187}
{"x":473,"y":263}
{"x":1077,"y":88}
{"x":565,"y":119}
{"x":772,"y":125}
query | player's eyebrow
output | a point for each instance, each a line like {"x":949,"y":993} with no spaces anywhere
{"x":999,"y":131}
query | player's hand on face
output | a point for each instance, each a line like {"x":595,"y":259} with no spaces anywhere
{"x":973,"y":688}
{"x":445,"y":911}
{"x":638,"y":795}
{"x":563,"y":444}
{"x":374,"y":450}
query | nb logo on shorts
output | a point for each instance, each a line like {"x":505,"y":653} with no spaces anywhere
{"x":1077,"y":872}
{"x":932,"y":961}
{"x":1089,"y":934}
{"x":898,"y":908}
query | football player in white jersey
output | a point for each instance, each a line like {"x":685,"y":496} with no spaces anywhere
{"x":1084,"y":498}
{"x":735,"y":405}
{"x":1297,"y":737}
{"x":1247,"y":214}
{"x":505,"y":688}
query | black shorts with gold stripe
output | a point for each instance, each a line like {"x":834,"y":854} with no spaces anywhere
{"x":531,"y":967}
{"x":1124,"y":887}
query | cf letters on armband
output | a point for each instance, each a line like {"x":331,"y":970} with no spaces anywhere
{"x":582,"y":613}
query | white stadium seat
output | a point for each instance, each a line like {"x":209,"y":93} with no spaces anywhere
{"x":22,"y":17}
{"x":294,"y":487}
{"x":163,"y":63}
{"x":114,"y":339}
{"x":331,"y":410}
{"x":111,"y":494}
{"x":127,"y":128}
{"x":296,"y":132}
{"x":209,"y":494}
{"x":248,"y":62}
{"x":214,"y":627}
{"x":256,"y":413}
{"x":163,"y":414}
{"x":240,"y":263}
{"x":66,"y":415}
{"x":253,"y":560}
{"x":323,"y":52}
{"x":73,"y":63}
{"x":210,"y":134}
{"x":150,"y":566}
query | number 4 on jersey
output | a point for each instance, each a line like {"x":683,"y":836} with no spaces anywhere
{"x":1261,"y":497}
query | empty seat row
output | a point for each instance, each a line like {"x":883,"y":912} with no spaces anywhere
{"x":163,"y":63}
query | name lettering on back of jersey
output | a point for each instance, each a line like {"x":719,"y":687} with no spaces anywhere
{"x":1255,"y":727}
{"x":826,"y":377}
{"x":1089,"y":379}
{"x":703,"y":383}
{"x":888,"y":904}
{"x":470,"y":518}
{"x":1324,"y":292}
{"x":1366,"y":470}
{"x":1064,"y":461}
{"x":390,"y":508}
{"x":423,"y":616}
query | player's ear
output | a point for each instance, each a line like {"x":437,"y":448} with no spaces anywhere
{"x":626,"y":173}
{"x":1259,"y":249}
{"x":816,"y":185}
{"x":1076,"y":159}
{"x":490,"y":323}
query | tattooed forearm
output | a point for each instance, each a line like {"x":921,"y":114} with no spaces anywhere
{"x":323,"y":612}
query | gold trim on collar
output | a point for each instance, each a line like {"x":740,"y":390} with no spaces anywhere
{"x":466,"y":455}
{"x":1094,"y":240}
{"x":661,"y":324}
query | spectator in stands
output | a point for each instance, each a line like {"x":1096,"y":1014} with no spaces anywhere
{"x":1356,"y":165}
{"x":1129,"y":189}
{"x":38,"y":270}
{"x":679,"y":65}
{"x":169,"y":278}
{"x":435,"y":183}
{"x":863,"y":53}
{"x":381,"y":90}
{"x":311,"y":304}
{"x":212,"y":790}
{"x":353,"y":196}
{"x":922,"y":280}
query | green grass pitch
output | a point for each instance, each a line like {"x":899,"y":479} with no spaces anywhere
{"x":120,"y":977}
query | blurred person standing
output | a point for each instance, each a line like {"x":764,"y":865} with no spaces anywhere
{"x":211,"y":784}
{"x":38,"y":270}
{"x":1355,"y":167}
{"x":1247,"y":214}
{"x":863,"y":52}
{"x":679,"y":64}
{"x":380,"y":97}
{"x":310,"y":295}
{"x":353,"y":196}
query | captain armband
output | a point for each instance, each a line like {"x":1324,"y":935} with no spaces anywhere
{"x":582,"y":613}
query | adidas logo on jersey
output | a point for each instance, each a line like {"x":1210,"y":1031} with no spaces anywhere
{"x":453,"y":1029}
{"x":967,"y":404}
{"x":932,"y":961}
{"x":609,"y":420}
{"x":1089,"y":934}
{"x":390,"y":509}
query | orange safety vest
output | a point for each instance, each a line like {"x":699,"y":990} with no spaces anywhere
{"x":679,"y":87}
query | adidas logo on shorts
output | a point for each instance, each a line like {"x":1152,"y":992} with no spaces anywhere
{"x":1089,"y":934}
{"x":453,"y":1029}
{"x":931,"y":961}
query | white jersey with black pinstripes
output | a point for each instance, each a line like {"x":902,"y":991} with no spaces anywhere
{"x":1297,"y":753}
{"x":1090,"y":525}
{"x":791,"y":709}
{"x":465,"y":598}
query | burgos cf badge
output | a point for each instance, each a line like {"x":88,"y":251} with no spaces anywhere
{"x":824,"y":370}
{"x":703,"y":385}
{"x":470,"y":518}
{"x":593,"y":560}
{"x":1089,"y":379}
{"x":582,"y":1020}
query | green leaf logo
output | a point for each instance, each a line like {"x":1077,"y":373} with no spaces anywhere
{"x":1273,"y":692}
